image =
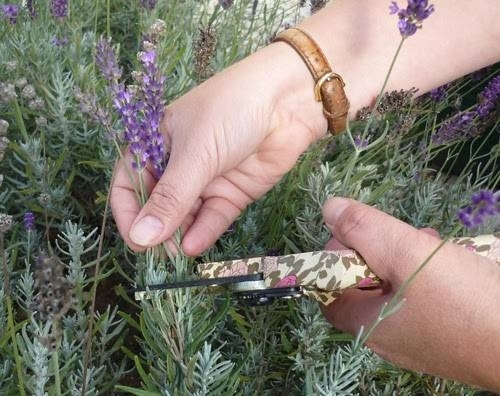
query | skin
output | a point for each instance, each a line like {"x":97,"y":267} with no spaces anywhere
{"x":449,"y":323}
{"x":233,"y":137}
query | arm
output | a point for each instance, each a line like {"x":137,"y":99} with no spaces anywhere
{"x":233,"y":137}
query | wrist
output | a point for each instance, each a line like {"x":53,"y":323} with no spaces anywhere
{"x":294,"y":103}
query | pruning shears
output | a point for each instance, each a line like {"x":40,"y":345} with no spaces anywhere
{"x":322,"y":275}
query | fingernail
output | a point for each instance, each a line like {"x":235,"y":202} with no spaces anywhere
{"x":334,"y":209}
{"x":146,"y":230}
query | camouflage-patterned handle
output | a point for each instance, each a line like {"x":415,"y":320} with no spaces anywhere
{"x":325,"y":274}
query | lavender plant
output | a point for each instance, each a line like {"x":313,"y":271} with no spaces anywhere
{"x":81,"y":83}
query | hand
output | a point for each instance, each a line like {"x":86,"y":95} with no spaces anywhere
{"x":230,"y":140}
{"x":449,"y":323}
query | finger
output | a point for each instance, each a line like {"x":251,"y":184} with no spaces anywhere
{"x":392,"y":248}
{"x":430,"y":231}
{"x":170,"y":200}
{"x":355,"y":308}
{"x":124,"y":199}
{"x":215,"y":217}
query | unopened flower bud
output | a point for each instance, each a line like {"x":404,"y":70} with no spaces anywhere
{"x":28,"y":92}
{"x":36,"y":104}
{"x":156,"y":31}
{"x":4,"y":125}
{"x":7,"y":92}
{"x":21,"y":83}
{"x":40,"y":122}
{"x":11,"y":66}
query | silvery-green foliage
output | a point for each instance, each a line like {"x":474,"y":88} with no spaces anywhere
{"x":311,"y":338}
{"x":6,"y":378}
{"x":25,"y":290}
{"x":209,"y":373}
{"x":59,"y":162}
{"x":343,"y":373}
{"x":36,"y":348}
{"x":3,"y":312}
{"x":93,"y":379}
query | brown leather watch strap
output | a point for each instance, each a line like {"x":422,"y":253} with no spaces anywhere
{"x":329,"y":86}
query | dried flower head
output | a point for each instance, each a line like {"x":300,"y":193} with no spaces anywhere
{"x":5,"y":222}
{"x":30,"y":6}
{"x":484,"y":204}
{"x":396,"y":100}
{"x":204,"y":50}
{"x":7,"y":92}
{"x":411,"y":17}
{"x":156,"y":31}
{"x":54,"y":295}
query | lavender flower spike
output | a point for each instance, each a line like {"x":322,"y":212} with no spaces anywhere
{"x":105,"y":59}
{"x":484,"y":204}
{"x":10,"y":12}
{"x":489,"y":99}
{"x":411,"y":17}
{"x":148,"y":4}
{"x":29,"y":221}
{"x":153,"y":88}
{"x":59,"y":8}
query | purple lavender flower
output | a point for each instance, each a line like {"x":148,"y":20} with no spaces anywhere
{"x":106,"y":61}
{"x":29,"y":221}
{"x":226,"y":4}
{"x":439,"y":94}
{"x":484,"y":204}
{"x":10,"y":12}
{"x":361,"y":142}
{"x":59,"y":42}
{"x":489,"y":98}
{"x":460,"y":127}
{"x":411,"y":17}
{"x":59,"y":8}
{"x":153,"y":91}
{"x":148,"y":4}
{"x":140,"y":108}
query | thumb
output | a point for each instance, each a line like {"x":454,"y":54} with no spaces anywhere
{"x":390,"y":247}
{"x":171,"y":199}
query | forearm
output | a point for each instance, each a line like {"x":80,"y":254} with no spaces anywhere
{"x":360,"y":38}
